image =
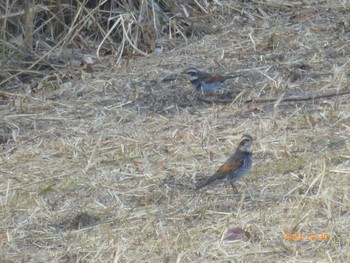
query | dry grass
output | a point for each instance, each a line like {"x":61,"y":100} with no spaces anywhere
{"x":45,"y":42}
{"x":101,"y":169}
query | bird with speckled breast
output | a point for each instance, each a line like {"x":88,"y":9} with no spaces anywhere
{"x":239,"y":164}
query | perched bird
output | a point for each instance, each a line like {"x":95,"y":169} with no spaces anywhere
{"x":204,"y":81}
{"x":236,"y":166}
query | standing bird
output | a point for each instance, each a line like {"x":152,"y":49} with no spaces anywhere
{"x":236,"y":166}
{"x":206,"y":82}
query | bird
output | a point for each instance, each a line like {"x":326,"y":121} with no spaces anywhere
{"x":204,"y":81}
{"x":236,"y":166}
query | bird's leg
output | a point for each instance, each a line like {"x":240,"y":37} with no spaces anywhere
{"x":234,"y":187}
{"x":202,"y":90}
{"x":216,"y":96}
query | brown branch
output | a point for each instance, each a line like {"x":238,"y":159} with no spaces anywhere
{"x":308,"y":98}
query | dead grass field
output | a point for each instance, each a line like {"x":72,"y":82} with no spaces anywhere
{"x":102,"y":168}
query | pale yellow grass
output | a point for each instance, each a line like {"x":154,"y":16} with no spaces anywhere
{"x":103,"y":169}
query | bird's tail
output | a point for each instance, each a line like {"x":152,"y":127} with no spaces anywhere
{"x":224,"y":78}
{"x":200,"y":186}
{"x":207,"y":182}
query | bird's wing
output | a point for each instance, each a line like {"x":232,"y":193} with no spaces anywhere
{"x":227,"y":168}
{"x":211,"y":79}
{"x":221,"y":173}
{"x":224,"y":170}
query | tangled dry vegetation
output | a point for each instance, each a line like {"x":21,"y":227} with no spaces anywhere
{"x":100,"y":166}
